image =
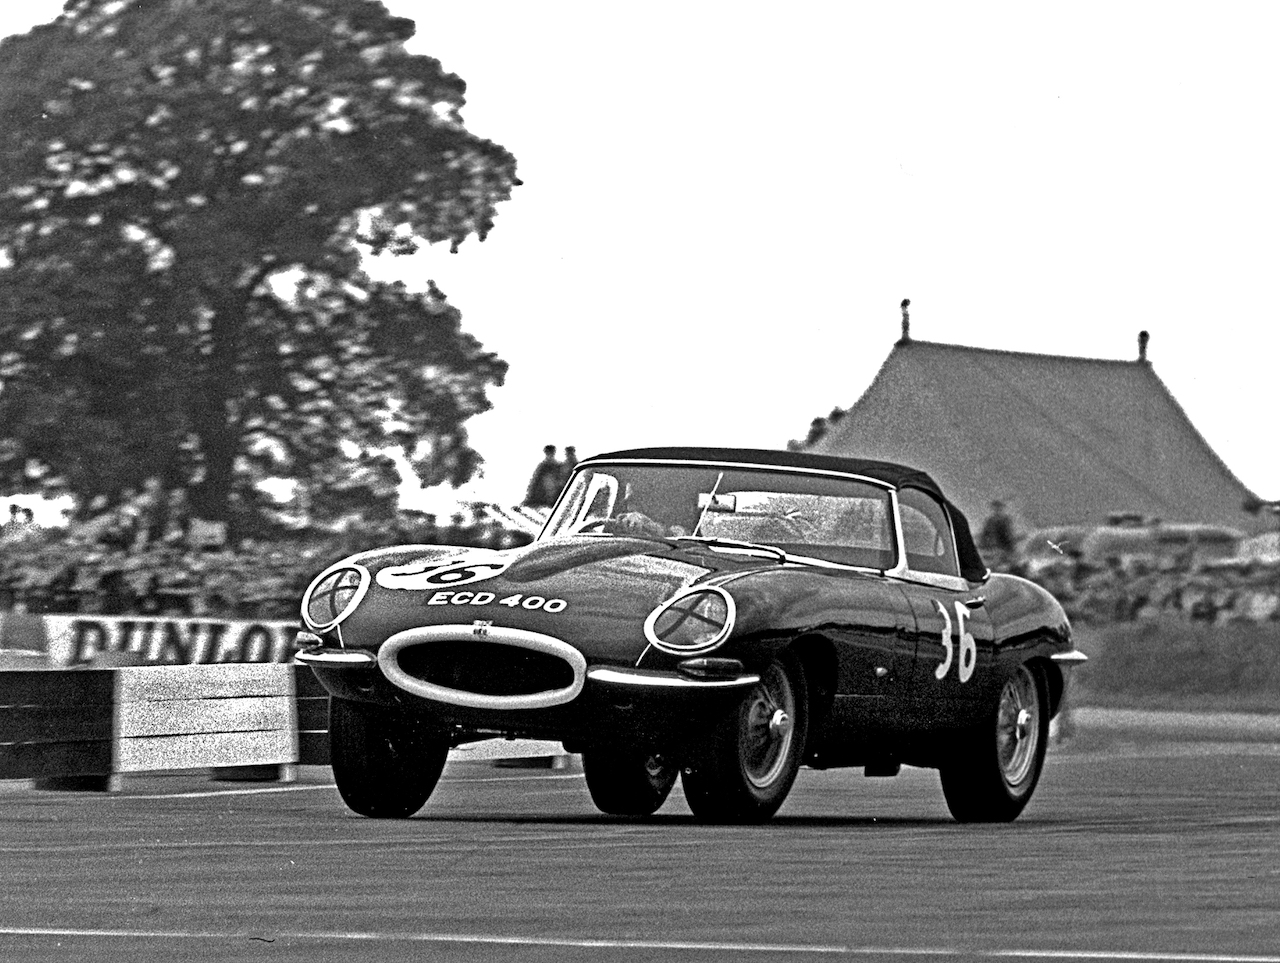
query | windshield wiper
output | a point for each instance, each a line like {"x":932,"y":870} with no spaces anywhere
{"x":710,"y":501}
{"x":733,"y":544}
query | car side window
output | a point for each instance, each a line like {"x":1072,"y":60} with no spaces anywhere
{"x":926,"y":530}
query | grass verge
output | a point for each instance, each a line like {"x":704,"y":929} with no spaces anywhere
{"x":1174,"y":664}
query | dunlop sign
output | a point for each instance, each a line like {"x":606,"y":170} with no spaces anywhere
{"x":75,"y":640}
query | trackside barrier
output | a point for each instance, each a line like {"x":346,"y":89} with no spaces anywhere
{"x":197,"y":716}
{"x":81,"y":729}
{"x":85,"y":640}
{"x":73,"y":640}
{"x":55,"y":723}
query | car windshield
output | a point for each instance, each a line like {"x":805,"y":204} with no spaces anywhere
{"x":837,"y":519}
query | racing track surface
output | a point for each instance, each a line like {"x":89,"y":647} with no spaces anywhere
{"x":1131,"y":850}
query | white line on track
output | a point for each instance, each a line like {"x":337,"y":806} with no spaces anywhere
{"x":205,"y":793}
{"x":561,"y":775}
{"x":1127,"y":956}
{"x":223,"y":792}
{"x":440,"y":842}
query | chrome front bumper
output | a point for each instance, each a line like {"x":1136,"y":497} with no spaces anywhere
{"x":333,"y":657}
{"x":1074,"y":657}
{"x":642,"y":679}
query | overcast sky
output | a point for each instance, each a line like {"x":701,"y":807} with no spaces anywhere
{"x":724,"y":204}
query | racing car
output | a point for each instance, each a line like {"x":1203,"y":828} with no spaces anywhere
{"x":718,"y":616}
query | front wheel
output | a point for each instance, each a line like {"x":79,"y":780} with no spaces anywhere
{"x":991,"y":779}
{"x":745,"y":770}
{"x":385,"y":763}
{"x":627,"y":782}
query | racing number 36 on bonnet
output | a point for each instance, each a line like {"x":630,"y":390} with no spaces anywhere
{"x":719,"y":616}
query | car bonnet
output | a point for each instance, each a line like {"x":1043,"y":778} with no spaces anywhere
{"x":593,"y":592}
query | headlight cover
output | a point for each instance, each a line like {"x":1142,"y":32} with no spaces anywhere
{"x":692,"y":622}
{"x":334,"y":595}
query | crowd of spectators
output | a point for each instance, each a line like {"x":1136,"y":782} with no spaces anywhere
{"x":1134,"y":570}
{"x":549,"y":477}
{"x":125,"y":565}
{"x":128,"y":563}
{"x":1120,"y":591}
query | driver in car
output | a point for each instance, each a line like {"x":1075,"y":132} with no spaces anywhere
{"x":640,"y":524}
{"x":629,"y":520}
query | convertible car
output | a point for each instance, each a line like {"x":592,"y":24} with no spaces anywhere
{"x":719,"y":616}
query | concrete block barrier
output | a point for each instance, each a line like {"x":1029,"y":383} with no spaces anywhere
{"x":83,"y":728}
{"x":198,"y":716}
{"x":55,"y":723}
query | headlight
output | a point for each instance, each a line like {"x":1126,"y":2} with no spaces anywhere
{"x":334,"y":595}
{"x":693,"y":622}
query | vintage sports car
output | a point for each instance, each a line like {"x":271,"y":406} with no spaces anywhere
{"x":721,"y":616}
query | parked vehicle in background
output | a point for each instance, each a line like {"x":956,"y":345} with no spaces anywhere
{"x":1151,"y":544}
{"x":1053,"y":547}
{"x":1263,"y":549}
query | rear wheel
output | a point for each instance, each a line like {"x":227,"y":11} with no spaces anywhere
{"x":991,"y":779}
{"x":385,"y":763}
{"x":624,"y":781}
{"x":745,"y":770}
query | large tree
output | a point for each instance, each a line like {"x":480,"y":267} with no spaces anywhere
{"x":186,"y":190}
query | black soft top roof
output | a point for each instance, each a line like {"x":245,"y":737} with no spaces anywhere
{"x":896,"y":476}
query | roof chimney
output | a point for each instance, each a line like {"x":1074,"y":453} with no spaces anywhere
{"x":906,"y":322}
{"x":1143,"y":338}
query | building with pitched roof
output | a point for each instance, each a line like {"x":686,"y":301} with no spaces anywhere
{"x":1060,"y":440}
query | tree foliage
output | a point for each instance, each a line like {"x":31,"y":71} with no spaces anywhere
{"x":185,"y":191}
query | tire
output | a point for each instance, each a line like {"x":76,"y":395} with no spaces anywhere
{"x":991,"y":779}
{"x":624,"y":781}
{"x":744,"y":771}
{"x":385,"y":763}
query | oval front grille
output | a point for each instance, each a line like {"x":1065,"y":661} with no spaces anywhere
{"x":486,"y":668}
{"x":483,"y":666}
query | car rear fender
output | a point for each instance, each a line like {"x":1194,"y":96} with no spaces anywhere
{"x":1054,"y":679}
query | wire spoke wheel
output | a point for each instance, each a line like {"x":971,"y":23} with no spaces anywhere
{"x":768,"y":728}
{"x":1017,"y":731}
{"x":745,"y":769}
{"x":996,"y":765}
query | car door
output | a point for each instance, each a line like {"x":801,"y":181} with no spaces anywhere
{"x":953,"y":632}
{"x":953,"y":654}
{"x":876,"y":647}
{"x":875,"y":652}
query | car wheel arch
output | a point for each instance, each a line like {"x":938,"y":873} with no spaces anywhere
{"x":1053,"y":680}
{"x":817,"y":654}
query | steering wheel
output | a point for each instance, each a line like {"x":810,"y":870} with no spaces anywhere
{"x":633,"y":524}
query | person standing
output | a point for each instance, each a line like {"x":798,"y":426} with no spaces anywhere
{"x":544,"y":486}
{"x":997,"y":540}
{"x":568,"y":465}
